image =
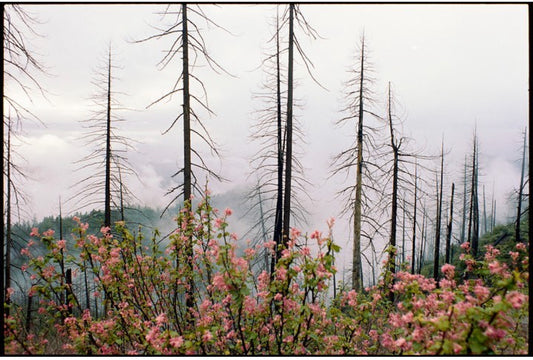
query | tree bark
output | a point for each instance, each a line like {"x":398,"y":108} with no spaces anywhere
{"x":449,"y":229}
{"x":357,"y":281}
{"x":439,"y":215}
{"x":9,"y":245}
{"x":278,"y":225}
{"x":413,"y":250}
{"x":187,"y":187}
{"x":288,"y":155}
{"x":107,"y":204}
{"x":520,"y":191}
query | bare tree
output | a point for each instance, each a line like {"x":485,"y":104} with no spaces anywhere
{"x":473,"y":216}
{"x":21,"y":68}
{"x":520,"y":192}
{"x":359,"y":96}
{"x":107,"y":158}
{"x":186,"y":40}
{"x":449,"y":228}
{"x":439,"y":216}
{"x":278,"y":131}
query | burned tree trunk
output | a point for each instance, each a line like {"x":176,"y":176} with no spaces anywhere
{"x":439,"y":216}
{"x":449,"y":229}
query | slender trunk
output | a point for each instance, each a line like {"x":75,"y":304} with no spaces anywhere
{"x":87,"y":299}
{"x":187,"y":187}
{"x":7,"y":283}
{"x":474,"y":215}
{"x":121,"y":194}
{"x":263,"y":229}
{"x":463,"y":224}
{"x":484,"y":212}
{"x":403,"y":232}
{"x":413,"y":250}
{"x":422,"y":240}
{"x":28,"y":313}
{"x":494,"y":214}
{"x":394,"y":206}
{"x":279,"y":196}
{"x":439,"y":215}
{"x":62,"y":262}
{"x":520,"y":191}
{"x":357,"y":281}
{"x":449,"y":229}
{"x":68,"y":280}
{"x":288,"y":155}
{"x":107,"y":205}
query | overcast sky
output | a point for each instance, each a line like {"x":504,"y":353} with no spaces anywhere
{"x":452,"y":66}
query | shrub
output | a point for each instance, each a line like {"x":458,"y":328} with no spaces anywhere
{"x":192,"y":294}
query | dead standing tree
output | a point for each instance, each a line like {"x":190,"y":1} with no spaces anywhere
{"x":107,"y":158}
{"x":186,"y":40}
{"x":21,"y":69}
{"x":271,"y":131}
{"x":521,"y":191}
{"x":359,"y":96}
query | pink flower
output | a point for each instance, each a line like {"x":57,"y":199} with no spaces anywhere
{"x":465,"y":245}
{"x":10,"y":292}
{"x":176,"y":341}
{"x":270,"y":244}
{"x":330,"y":222}
{"x":278,"y":297}
{"x":219,"y":283}
{"x":448,"y":271}
{"x":207,"y":336}
{"x":76,"y":219}
{"x":516,"y":299}
{"x":49,"y":233}
{"x":161,"y":319}
{"x":295,"y":233}
{"x":218,"y":222}
{"x":25,"y":251}
{"x":457,"y":348}
{"x":61,"y":244}
{"x":48,"y":272}
{"x":520,"y":246}
{"x":105,"y":229}
{"x":228,"y":212}
{"x":316,"y":234}
{"x":34,"y":232}
{"x":305,"y":251}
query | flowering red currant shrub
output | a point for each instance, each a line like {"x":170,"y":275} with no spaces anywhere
{"x":192,"y":294}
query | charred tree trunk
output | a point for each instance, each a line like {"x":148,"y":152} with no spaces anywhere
{"x":357,"y":281}
{"x":107,"y":204}
{"x":484,"y":212}
{"x":187,"y":185}
{"x":9,"y":240}
{"x":278,"y":220}
{"x":394,"y":205}
{"x":439,"y":216}
{"x":449,"y":229}
{"x":413,"y":250}
{"x":463,"y":226}
{"x":473,"y":221}
{"x":422,"y":240}
{"x":288,"y":155}
{"x":520,"y":192}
